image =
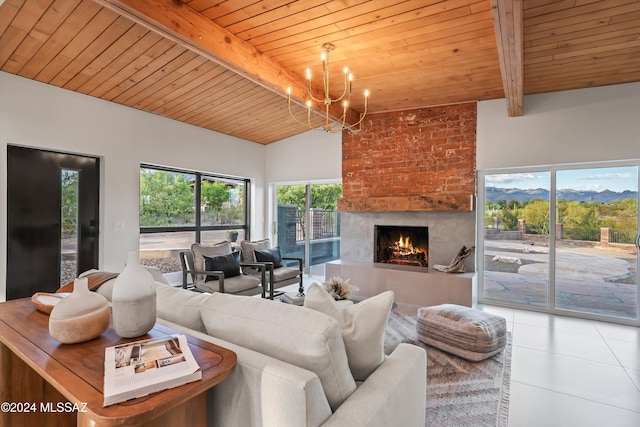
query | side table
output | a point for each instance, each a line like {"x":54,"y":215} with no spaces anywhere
{"x":44,"y":382}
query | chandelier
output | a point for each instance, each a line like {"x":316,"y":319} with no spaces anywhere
{"x":330,"y":125}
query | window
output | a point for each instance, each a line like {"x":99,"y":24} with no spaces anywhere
{"x":180,"y":207}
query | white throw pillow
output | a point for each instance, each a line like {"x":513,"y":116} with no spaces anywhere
{"x":362,"y":325}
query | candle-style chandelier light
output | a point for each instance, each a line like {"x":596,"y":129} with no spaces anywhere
{"x":331,"y":125}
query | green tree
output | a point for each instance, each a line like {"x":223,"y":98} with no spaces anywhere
{"x":323,"y":196}
{"x":214,"y":195}
{"x":166,"y":198}
{"x":69,"y":211}
{"x":536,"y":214}
{"x":510,"y":215}
{"x":575,"y":214}
{"x":292,"y":195}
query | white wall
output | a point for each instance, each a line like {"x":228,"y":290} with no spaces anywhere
{"x":312,"y":156}
{"x":38,"y":115}
{"x":577,"y":126}
{"x":309,"y":156}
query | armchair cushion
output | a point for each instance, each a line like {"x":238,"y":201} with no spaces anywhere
{"x":199,"y":251}
{"x":229,"y":264}
{"x":249,"y":248}
{"x":269,"y":255}
{"x":362,"y":325}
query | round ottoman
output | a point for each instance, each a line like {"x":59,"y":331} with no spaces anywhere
{"x":466,"y":332}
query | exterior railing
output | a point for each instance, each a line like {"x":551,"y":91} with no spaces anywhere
{"x":324,"y":224}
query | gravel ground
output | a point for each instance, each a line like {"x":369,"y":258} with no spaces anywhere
{"x":165,"y":265}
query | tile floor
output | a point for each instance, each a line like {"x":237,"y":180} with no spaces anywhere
{"x":567,"y":372}
{"x":572,"y":372}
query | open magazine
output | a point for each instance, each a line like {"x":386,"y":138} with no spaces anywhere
{"x":143,"y":367}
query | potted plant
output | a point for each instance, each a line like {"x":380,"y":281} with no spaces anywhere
{"x":232,"y":235}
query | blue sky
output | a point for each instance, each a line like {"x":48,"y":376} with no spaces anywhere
{"x":596,"y":179}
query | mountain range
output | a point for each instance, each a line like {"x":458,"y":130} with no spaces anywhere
{"x":494,"y":194}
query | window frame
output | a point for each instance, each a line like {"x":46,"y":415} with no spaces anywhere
{"x":198,"y":228}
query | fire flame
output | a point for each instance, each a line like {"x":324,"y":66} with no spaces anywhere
{"x":404,"y":242}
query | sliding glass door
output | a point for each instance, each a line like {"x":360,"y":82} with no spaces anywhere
{"x":596,"y":258}
{"x":515,"y":253}
{"x":563,"y":240}
{"x":307,"y":223}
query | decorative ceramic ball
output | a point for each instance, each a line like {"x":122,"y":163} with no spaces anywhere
{"x":81,"y":316}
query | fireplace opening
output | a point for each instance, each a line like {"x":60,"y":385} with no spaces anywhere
{"x":402,"y":245}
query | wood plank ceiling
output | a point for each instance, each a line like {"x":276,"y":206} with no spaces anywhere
{"x":224,"y":65}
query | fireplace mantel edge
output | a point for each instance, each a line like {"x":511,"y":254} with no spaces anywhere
{"x":437,"y":203}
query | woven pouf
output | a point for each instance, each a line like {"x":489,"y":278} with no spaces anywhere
{"x":466,"y":332}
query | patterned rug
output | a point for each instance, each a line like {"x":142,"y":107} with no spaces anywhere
{"x":459,"y":393}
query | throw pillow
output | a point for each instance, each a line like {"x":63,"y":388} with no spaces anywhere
{"x":362,"y":326}
{"x":229,"y":264}
{"x":249,"y":248}
{"x":270,"y":255}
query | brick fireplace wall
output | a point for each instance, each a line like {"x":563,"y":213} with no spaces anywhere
{"x":412,"y":168}
{"x":415,"y":160}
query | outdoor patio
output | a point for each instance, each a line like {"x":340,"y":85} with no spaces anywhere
{"x":598,"y":280}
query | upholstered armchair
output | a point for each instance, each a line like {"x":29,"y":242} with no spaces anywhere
{"x":218,"y":268}
{"x":278,"y":275}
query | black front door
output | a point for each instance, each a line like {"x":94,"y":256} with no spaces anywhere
{"x":52,"y":217}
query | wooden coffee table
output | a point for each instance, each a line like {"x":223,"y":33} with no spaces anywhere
{"x":44,"y":382}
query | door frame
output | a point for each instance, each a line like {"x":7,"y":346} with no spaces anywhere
{"x":52,"y":163}
{"x":551,"y":309}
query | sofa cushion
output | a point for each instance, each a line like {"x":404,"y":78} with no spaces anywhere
{"x":362,"y":325}
{"x":304,"y":338}
{"x":269,"y":255}
{"x":229,"y":265}
{"x":180,"y":306}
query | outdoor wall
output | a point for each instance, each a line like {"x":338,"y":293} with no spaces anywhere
{"x":37,"y":115}
{"x":575,"y":126}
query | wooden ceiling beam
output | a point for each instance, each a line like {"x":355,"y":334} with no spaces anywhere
{"x":182,"y":24}
{"x":509,"y":27}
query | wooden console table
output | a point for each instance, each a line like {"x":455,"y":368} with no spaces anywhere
{"x":46,"y":383}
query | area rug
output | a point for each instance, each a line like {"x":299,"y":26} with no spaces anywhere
{"x":459,"y":393}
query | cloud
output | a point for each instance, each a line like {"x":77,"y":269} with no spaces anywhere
{"x":612,"y":175}
{"x":511,"y":178}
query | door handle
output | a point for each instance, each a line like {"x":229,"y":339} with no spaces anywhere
{"x":638,"y":240}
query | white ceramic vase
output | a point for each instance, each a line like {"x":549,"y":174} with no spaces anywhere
{"x":81,"y":316}
{"x":133,"y":301}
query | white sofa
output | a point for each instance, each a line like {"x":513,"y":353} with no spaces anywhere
{"x":291,"y":366}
